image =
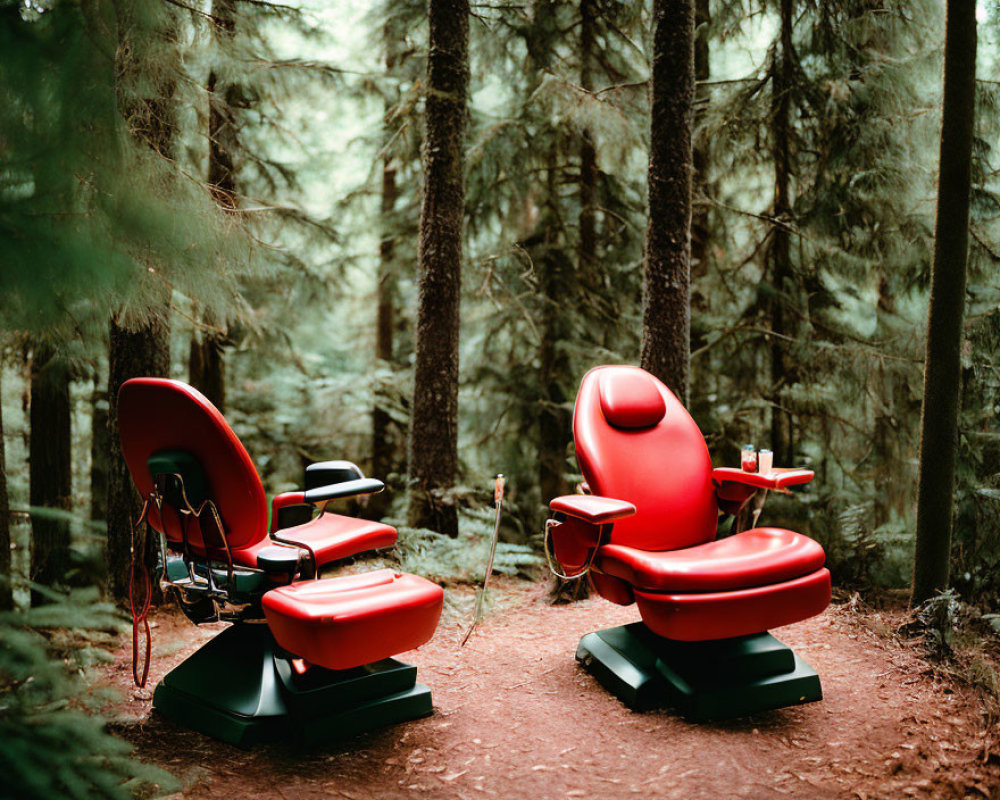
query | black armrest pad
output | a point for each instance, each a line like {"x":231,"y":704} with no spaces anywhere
{"x":275,"y":558}
{"x":344,"y":489}
{"x":325,"y":473}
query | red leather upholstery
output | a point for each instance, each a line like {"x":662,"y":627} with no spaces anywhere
{"x":159,"y":414}
{"x":337,"y":623}
{"x":592,"y":508}
{"x":635,"y":443}
{"x":664,"y":470}
{"x":756,"y":557}
{"x":340,"y":623}
{"x":332,"y":536}
{"x":723,"y":615}
{"x":631,"y":400}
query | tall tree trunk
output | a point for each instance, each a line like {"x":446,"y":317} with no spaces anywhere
{"x":6,"y":567}
{"x":889,"y":461}
{"x":780,"y":250}
{"x":666,"y":329}
{"x":140,"y":346}
{"x":141,"y":351}
{"x":50,"y":467}
{"x":223,"y":99}
{"x":208,"y":366}
{"x":100,"y":446}
{"x":383,"y":448}
{"x":589,"y":173}
{"x":700,"y":159}
{"x":433,"y":443}
{"x":554,"y":421}
{"x":942,"y":366}
{"x":554,"y":426}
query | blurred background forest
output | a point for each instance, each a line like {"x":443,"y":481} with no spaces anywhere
{"x":229,"y":192}
{"x":237,"y":186}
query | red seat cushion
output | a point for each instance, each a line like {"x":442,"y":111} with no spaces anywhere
{"x":756,"y":557}
{"x":700,"y":617}
{"x":333,"y":536}
{"x":340,"y":623}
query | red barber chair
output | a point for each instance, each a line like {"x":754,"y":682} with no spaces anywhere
{"x":645,"y":532}
{"x":306,"y":656}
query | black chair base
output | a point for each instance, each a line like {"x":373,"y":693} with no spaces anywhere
{"x":702,"y":680}
{"x":239,"y":688}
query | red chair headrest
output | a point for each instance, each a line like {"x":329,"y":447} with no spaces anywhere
{"x":630,"y":399}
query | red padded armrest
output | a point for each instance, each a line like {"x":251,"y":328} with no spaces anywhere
{"x":592,"y":508}
{"x":777,"y":479}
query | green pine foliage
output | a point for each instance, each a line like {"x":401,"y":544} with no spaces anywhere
{"x":862,"y":142}
{"x":51,"y":745}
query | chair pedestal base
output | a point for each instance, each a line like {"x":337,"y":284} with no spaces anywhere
{"x":702,"y":680}
{"x":239,"y":689}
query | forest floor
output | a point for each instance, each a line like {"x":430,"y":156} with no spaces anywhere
{"x":515,"y":716}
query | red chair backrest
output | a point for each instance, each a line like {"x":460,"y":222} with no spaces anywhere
{"x":636,"y":442}
{"x":157,"y":414}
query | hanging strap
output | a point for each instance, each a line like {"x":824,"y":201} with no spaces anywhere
{"x":141,"y":656}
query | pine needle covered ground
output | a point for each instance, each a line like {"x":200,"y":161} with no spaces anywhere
{"x":516,"y":717}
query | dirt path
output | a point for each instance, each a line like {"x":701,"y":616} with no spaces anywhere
{"x":516,"y":717}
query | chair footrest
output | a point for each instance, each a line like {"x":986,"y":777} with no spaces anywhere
{"x":703,"y":680}
{"x":340,"y":623}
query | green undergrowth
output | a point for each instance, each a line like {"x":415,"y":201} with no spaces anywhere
{"x":52,"y":744}
{"x":462,"y":559}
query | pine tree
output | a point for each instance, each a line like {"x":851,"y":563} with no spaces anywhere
{"x":139,"y":343}
{"x":666,"y":339}
{"x":942,"y":370}
{"x":207,"y":366}
{"x":433,"y":443}
{"x":6,"y":574}
{"x":49,"y":468}
{"x":398,"y":153}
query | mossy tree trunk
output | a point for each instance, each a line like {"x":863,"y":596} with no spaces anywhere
{"x":943,"y":362}
{"x":6,"y":570}
{"x":780,"y":249}
{"x":383,"y":448}
{"x":666,"y":329}
{"x":139,"y":345}
{"x":49,"y":467}
{"x":100,"y":446}
{"x":555,"y":422}
{"x":700,"y":230}
{"x":207,"y":365}
{"x":433,"y":441}
{"x":142,"y":351}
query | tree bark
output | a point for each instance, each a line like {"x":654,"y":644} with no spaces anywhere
{"x":223,"y":99}
{"x":140,"y":346}
{"x":779,"y":252}
{"x":700,"y":157}
{"x":6,"y":570}
{"x":942,"y":366}
{"x":433,"y":442}
{"x":589,"y":173}
{"x":554,"y":423}
{"x":100,"y":446}
{"x":140,"y":351}
{"x":666,"y":330}
{"x":383,"y":448}
{"x":50,"y":467}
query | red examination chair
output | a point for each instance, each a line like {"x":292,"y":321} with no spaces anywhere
{"x":644,"y":530}
{"x":305,"y":656}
